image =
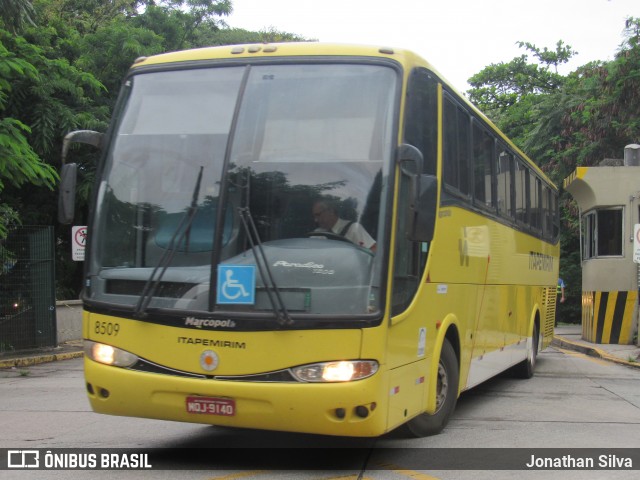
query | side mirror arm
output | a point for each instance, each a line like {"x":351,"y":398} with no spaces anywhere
{"x":88,"y":137}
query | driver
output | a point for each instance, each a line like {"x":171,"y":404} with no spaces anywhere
{"x":326,"y":217}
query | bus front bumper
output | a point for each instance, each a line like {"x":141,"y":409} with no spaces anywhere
{"x":345,"y":409}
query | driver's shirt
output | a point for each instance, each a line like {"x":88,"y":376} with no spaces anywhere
{"x":355,"y":233}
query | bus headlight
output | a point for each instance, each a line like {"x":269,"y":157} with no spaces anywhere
{"x":102,"y":353}
{"x":339,"y":371}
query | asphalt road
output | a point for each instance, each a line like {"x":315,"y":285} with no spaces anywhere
{"x":573,"y":402}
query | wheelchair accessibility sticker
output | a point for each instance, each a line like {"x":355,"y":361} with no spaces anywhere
{"x":236,"y":284}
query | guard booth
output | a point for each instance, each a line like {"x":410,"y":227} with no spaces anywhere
{"x":608,"y":197}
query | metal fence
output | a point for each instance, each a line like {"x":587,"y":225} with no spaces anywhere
{"x":27,"y":290}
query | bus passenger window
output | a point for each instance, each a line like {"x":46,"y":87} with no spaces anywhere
{"x":483,"y":146}
{"x":456,"y":148}
{"x":535,"y":200}
{"x":504,"y":173}
{"x":522,"y":191}
{"x":421,"y":122}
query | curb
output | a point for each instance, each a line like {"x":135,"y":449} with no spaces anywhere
{"x":37,"y":359}
{"x":561,"y":342}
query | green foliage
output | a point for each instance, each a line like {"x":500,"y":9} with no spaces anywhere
{"x":8,"y":220}
{"x":502,"y":85}
{"x":510,"y":93}
{"x":234,"y":36}
{"x":120,"y":43}
{"x":182,"y":23}
{"x":19,"y":163}
{"x":15,"y":14}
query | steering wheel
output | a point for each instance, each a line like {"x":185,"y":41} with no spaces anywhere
{"x":329,"y":235}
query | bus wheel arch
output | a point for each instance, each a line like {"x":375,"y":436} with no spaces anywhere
{"x":446,"y":390}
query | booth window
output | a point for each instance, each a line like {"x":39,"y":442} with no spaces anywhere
{"x":602,"y":233}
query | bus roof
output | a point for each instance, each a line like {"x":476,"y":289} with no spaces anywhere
{"x":291,"y":49}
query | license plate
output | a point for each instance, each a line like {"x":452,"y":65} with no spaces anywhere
{"x":211,"y":406}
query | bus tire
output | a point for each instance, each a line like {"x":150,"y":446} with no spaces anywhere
{"x":526,"y":368}
{"x":446,"y":396}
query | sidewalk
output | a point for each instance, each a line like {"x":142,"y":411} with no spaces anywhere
{"x":65,"y":351}
{"x":568,"y":337}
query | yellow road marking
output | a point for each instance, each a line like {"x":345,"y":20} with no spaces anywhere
{"x":416,"y":475}
{"x":349,"y":477}
{"x":233,"y":476}
{"x":408,"y":473}
{"x":582,"y":355}
{"x":394,"y":468}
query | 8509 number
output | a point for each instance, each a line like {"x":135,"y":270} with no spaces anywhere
{"x":107,"y":328}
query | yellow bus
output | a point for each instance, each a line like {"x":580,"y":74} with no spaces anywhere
{"x":308,"y":238}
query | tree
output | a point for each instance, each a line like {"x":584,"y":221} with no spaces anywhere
{"x":15,"y":14}
{"x":509,"y":92}
{"x":182,"y":22}
{"x":19,"y":163}
{"x":504,"y":84}
{"x":41,"y":98}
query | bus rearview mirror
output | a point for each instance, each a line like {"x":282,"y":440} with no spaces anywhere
{"x":67,"y":193}
{"x":69,"y":173}
{"x":423,"y":193}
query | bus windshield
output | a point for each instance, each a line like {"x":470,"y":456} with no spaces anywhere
{"x":278,"y":168}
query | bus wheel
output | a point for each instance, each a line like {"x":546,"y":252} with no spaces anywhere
{"x":446,"y":396}
{"x":525,"y":368}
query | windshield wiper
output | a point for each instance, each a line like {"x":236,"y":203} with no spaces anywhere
{"x":277,"y":304}
{"x":183,"y":230}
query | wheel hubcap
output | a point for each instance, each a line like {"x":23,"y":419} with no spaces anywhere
{"x":442,"y":387}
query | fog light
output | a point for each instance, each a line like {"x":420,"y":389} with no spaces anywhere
{"x":362,"y":411}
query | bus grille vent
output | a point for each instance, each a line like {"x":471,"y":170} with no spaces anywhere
{"x":550,"y":314}
{"x":277,"y":376}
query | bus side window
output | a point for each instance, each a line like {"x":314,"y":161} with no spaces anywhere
{"x":455,"y":162}
{"x":522,"y":193}
{"x":421,"y":119}
{"x":504,"y":174}
{"x":483,"y":147}
{"x":421,"y":131}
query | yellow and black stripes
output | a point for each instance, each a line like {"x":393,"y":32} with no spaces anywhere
{"x":607,"y":317}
